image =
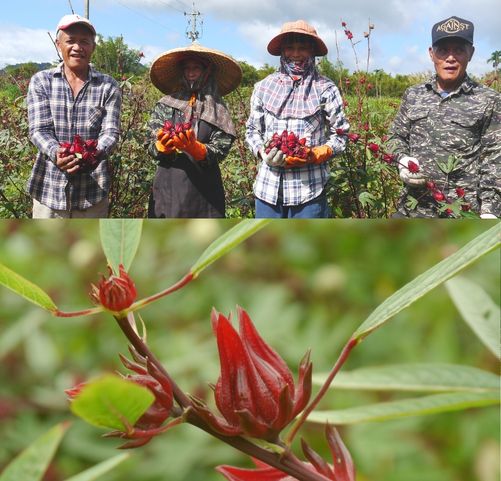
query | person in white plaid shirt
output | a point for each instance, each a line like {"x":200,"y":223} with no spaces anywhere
{"x":72,"y":99}
{"x":299,"y":100}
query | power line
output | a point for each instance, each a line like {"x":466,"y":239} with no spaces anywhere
{"x":143,"y":15}
{"x":193,"y":34}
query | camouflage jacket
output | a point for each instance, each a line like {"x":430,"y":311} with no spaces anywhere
{"x":465,"y":127}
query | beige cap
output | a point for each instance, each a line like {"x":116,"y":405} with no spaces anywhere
{"x":301,"y":27}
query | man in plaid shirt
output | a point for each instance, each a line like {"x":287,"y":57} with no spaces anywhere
{"x":72,"y":99}
{"x":295,"y":99}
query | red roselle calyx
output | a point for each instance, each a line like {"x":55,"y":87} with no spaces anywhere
{"x":342,"y":468}
{"x":115,"y":293}
{"x":85,"y":150}
{"x":172,"y":129}
{"x":255,"y":392}
{"x":289,"y":143}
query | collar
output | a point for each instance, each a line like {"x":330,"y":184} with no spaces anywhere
{"x":466,"y":85}
{"x":58,"y":71}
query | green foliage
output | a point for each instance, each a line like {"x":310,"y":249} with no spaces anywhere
{"x":120,"y":239}
{"x":114,"y":57}
{"x":112,"y":402}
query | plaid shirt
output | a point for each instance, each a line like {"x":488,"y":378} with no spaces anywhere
{"x":54,"y":117}
{"x":300,"y":184}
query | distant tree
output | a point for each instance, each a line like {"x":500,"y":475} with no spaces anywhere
{"x":249,"y":74}
{"x":495,"y":59}
{"x":22,"y":70}
{"x":336,"y":72}
{"x":265,"y":71}
{"x":114,"y":57}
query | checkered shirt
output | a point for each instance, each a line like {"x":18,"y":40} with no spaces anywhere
{"x":300,"y":184}
{"x":54,"y":117}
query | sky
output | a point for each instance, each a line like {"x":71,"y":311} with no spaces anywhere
{"x":398,"y":44}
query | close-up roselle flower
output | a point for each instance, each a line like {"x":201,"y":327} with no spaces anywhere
{"x":341,"y":469}
{"x":115,"y":293}
{"x":255,"y":392}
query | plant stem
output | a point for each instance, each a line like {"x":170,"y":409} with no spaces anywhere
{"x":337,"y":366}
{"x":147,"y":300}
{"x":182,"y":399}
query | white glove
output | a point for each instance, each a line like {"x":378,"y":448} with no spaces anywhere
{"x":487,"y":216}
{"x":274,"y":158}
{"x":407,"y":176}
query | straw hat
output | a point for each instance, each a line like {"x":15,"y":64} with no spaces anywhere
{"x":166,"y":75}
{"x":299,"y":26}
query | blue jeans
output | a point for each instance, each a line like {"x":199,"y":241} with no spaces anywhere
{"x":314,"y":209}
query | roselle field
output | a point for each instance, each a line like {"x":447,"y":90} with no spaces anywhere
{"x":363,"y":182}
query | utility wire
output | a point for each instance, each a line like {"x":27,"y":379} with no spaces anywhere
{"x":138,"y":12}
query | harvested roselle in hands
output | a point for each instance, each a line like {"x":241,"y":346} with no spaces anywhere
{"x":289,"y":143}
{"x":84,"y":150}
{"x":172,"y":129}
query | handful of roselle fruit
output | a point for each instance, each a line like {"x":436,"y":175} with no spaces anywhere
{"x":289,"y":143}
{"x":175,"y":129}
{"x":84,"y":150}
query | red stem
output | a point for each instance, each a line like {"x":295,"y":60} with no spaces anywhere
{"x":337,"y":366}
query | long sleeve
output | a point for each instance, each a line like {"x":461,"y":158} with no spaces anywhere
{"x":490,"y":164}
{"x":41,"y":125}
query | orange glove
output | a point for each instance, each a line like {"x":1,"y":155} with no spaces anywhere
{"x":320,"y":154}
{"x":164,"y":142}
{"x":187,"y":142}
{"x":292,"y":161}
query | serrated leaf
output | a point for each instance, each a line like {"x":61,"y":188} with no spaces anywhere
{"x":32,"y":463}
{"x":120,"y":239}
{"x":99,"y":469}
{"x":478,"y":310}
{"x":415,"y":377}
{"x":25,"y":288}
{"x":225,"y":243}
{"x":112,"y":402}
{"x":427,"y":281}
{"x":426,"y":405}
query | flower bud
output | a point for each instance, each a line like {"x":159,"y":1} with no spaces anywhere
{"x":255,"y":392}
{"x":115,"y":293}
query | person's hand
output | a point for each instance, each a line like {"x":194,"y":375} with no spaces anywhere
{"x":410,"y":172}
{"x":291,"y":161}
{"x":67,"y":163}
{"x":274,"y":158}
{"x":164,"y":142}
{"x":487,"y":216}
{"x":187,"y":142}
{"x":320,"y":154}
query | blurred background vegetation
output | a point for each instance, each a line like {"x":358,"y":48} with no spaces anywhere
{"x":305,"y":284}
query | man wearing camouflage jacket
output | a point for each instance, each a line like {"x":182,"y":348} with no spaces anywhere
{"x":449,"y":128}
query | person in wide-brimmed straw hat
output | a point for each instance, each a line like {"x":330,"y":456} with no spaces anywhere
{"x":299,"y":100}
{"x":188,"y":180}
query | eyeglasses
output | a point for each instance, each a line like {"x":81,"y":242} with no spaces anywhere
{"x":443,"y":52}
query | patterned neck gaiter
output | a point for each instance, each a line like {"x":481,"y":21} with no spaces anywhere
{"x":293,"y":69}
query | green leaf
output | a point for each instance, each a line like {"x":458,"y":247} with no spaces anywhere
{"x":26,"y":289}
{"x":112,"y":402}
{"x":32,"y":463}
{"x":120,"y":239}
{"x":427,"y":281}
{"x":99,"y":469}
{"x":436,"y":403}
{"x":478,"y":310}
{"x":225,"y":243}
{"x":415,"y":377}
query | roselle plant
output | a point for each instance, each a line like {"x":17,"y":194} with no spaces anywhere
{"x":260,"y":406}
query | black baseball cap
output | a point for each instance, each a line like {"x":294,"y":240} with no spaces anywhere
{"x":453,"y":27}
